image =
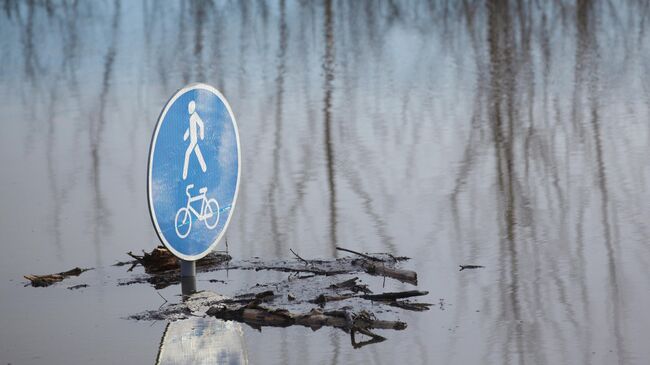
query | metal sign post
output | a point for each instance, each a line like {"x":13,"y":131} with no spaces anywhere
{"x":188,"y":277}
{"x":193,"y":173}
{"x":188,"y":268}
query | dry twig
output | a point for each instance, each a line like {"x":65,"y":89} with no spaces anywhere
{"x":368,"y":257}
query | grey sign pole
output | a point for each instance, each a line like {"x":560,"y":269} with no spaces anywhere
{"x":188,"y":277}
{"x":188,"y":268}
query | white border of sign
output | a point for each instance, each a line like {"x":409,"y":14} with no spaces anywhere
{"x":152,"y":147}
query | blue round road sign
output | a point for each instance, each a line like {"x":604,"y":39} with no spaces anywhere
{"x":194,"y":169}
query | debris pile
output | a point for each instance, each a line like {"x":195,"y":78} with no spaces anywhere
{"x":316,"y":293}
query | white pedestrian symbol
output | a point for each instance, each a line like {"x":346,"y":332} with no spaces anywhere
{"x":209,"y":212}
{"x":195,"y":121}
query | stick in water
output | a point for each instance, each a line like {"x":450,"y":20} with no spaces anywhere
{"x":463,"y":267}
{"x":359,"y":253}
{"x":300,"y":258}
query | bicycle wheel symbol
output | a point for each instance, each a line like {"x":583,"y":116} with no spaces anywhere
{"x":211,"y":214}
{"x":183,"y":222}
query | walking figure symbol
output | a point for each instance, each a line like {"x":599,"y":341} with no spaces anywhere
{"x":195,"y":122}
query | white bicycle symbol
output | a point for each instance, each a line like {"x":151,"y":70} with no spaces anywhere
{"x":209,"y":212}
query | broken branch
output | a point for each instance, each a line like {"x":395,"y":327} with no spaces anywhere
{"x":314,"y":319}
{"x":394,"y":295}
{"x":371,"y":258}
{"x":406,"y":276}
{"x":47,"y":280}
{"x":463,"y":267}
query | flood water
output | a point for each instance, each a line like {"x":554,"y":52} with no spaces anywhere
{"x":513,"y":135}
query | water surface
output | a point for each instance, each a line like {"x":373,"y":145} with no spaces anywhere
{"x":513,"y":135}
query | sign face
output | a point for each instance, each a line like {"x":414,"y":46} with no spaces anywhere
{"x":194,"y":169}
